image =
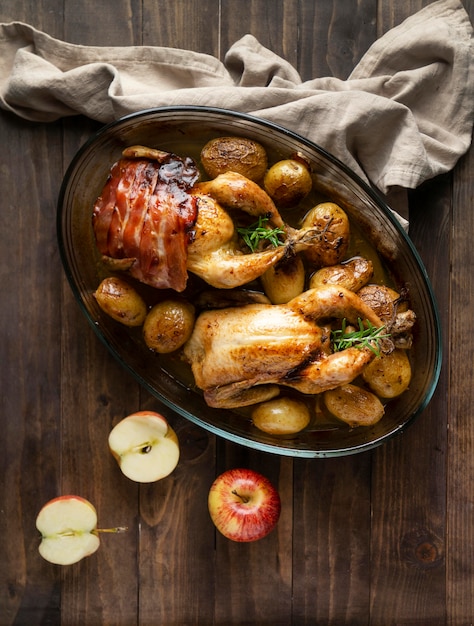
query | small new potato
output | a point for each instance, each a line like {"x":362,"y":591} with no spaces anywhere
{"x":234,"y":154}
{"x":120,"y":301}
{"x":384,"y":300}
{"x":281,"y":416}
{"x":288,"y":182}
{"x":168,"y":325}
{"x":354,"y":405}
{"x":333,"y":224}
{"x":284,"y":281}
{"x":352,"y":274}
{"x":388,"y":375}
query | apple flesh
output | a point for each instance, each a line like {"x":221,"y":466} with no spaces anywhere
{"x":145,"y":446}
{"x":244,"y":505}
{"x":68,"y":528}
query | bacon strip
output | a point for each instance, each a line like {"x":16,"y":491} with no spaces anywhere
{"x":146,"y":214}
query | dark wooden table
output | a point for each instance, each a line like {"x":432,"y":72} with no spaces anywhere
{"x":381,"y":538}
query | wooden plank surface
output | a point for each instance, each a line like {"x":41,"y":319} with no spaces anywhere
{"x":380,"y":538}
{"x":460,"y":466}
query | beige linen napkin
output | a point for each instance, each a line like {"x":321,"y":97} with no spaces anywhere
{"x":404,"y":115}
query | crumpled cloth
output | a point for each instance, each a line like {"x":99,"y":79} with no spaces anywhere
{"x":404,"y":115}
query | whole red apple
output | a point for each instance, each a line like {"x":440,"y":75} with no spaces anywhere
{"x":244,"y":505}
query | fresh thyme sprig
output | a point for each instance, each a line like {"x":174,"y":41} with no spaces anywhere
{"x":258,"y":231}
{"x":368,"y":336}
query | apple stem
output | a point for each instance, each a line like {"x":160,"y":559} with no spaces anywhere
{"x":117,"y":529}
{"x":244,"y":499}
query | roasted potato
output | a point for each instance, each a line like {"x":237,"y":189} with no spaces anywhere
{"x":352,"y":274}
{"x":393,"y":310}
{"x":354,"y":405}
{"x":284,"y":281}
{"x":333,"y":224}
{"x":288,"y":182}
{"x":120,"y":300}
{"x":168,"y":325}
{"x":234,"y":154}
{"x":385,"y":301}
{"x":281,"y":416}
{"x":388,"y":375}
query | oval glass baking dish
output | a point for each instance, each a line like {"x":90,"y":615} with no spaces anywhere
{"x":184,"y":131}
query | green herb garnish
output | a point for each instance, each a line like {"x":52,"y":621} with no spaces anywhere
{"x":257,"y":232}
{"x":368,"y":336}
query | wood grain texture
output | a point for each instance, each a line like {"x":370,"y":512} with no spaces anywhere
{"x":273,"y":24}
{"x":191,"y":25}
{"x":460,"y":469}
{"x":332,"y":540}
{"x":381,"y":538}
{"x":334,"y":36}
{"x":30,"y":376}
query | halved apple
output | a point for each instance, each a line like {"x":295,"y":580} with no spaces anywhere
{"x":145,"y":446}
{"x":68,"y":528}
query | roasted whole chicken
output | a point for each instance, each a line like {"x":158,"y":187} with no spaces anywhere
{"x":155,"y":221}
{"x":242,"y":355}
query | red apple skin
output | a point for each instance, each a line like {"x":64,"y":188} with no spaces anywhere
{"x":69,"y":497}
{"x":146,"y":413}
{"x":244,"y":505}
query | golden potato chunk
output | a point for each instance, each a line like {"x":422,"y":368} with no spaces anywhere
{"x":168,"y":325}
{"x":333,"y":224}
{"x":121,"y":301}
{"x":288,"y":182}
{"x":284,"y":281}
{"x":234,"y":154}
{"x":352,"y":274}
{"x":388,"y":375}
{"x":281,"y":416}
{"x":354,"y":405}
